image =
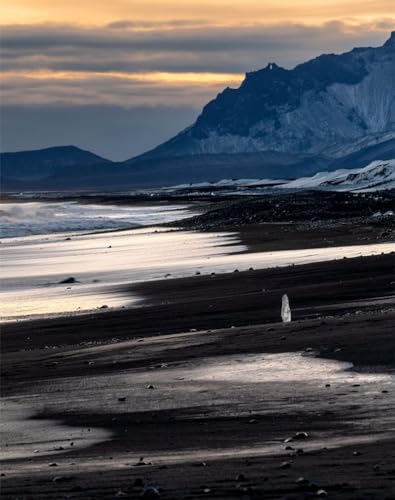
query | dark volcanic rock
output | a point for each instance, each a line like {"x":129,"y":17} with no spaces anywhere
{"x":151,"y":493}
{"x":68,"y":281}
{"x":309,"y":206}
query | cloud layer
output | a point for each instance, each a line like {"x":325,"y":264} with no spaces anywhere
{"x":142,"y":69}
{"x":129,"y":64}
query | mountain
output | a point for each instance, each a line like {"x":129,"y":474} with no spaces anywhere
{"x":377,"y":176}
{"x":330,"y":107}
{"x":329,"y":101}
{"x":330,"y":113}
{"x":25,"y":166}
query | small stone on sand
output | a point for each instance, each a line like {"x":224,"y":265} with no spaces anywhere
{"x":150,"y":493}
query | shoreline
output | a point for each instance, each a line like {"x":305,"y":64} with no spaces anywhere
{"x":44,"y":268}
{"x":117,"y":292}
{"x":206,"y":384}
{"x":222,"y":301}
{"x":221,"y":426}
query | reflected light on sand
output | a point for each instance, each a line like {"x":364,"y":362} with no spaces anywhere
{"x":34,"y":267}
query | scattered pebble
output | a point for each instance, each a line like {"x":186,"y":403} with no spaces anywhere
{"x":241,"y":478}
{"x":302,"y":480}
{"x":141,"y":462}
{"x":68,"y":281}
{"x":62,"y":479}
{"x":150,"y":493}
{"x":301,"y":435}
{"x":201,"y":464}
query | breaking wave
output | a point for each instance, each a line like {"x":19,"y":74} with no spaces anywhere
{"x":24,"y":219}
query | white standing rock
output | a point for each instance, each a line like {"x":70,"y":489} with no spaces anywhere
{"x":285,"y":310}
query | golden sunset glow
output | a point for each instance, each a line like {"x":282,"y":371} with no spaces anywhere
{"x":213,"y":11}
{"x":154,"y":77}
{"x":171,"y":54}
{"x":157,"y":21}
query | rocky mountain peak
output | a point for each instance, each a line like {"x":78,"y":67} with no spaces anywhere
{"x":391,"y":40}
{"x":327,"y":102}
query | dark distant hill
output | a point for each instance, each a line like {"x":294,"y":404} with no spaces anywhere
{"x":195,"y":168}
{"x":26,"y":166}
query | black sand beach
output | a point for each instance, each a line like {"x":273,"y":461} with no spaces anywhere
{"x":201,"y":388}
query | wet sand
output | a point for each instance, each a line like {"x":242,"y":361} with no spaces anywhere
{"x":68,"y":274}
{"x":73,"y":273}
{"x":201,"y":391}
{"x":206,"y":385}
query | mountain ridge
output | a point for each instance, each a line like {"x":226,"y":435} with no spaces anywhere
{"x":327,"y":101}
{"x":332,"y":112}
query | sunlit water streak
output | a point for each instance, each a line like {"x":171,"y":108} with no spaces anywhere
{"x":33,"y":267}
{"x":227,"y":386}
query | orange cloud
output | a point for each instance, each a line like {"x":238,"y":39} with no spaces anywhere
{"x":168,"y":51}
{"x":157,"y":77}
{"x":225,"y":12}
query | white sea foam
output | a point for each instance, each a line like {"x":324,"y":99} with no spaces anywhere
{"x":30,"y":218}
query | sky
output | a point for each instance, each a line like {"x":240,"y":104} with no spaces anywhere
{"x":120,"y":77}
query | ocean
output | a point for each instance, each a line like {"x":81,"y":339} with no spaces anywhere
{"x":35,"y":218}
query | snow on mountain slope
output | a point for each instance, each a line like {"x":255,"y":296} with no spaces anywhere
{"x":378,"y":175}
{"x":323,"y":106}
{"x":368,"y":141}
{"x":230,"y":183}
